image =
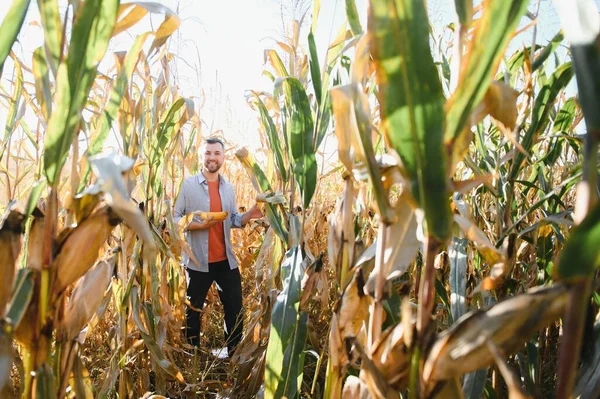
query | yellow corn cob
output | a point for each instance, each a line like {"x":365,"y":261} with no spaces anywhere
{"x":212,"y":215}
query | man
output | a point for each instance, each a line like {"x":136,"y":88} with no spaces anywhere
{"x":210,"y":242}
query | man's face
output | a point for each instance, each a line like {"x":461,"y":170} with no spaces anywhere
{"x":213,"y":157}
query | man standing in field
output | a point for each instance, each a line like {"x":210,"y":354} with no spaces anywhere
{"x":210,"y":242}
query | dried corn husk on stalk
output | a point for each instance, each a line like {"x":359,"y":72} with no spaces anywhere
{"x":10,"y":246}
{"x":85,"y":299}
{"x":6,"y":360}
{"x":507,"y":325}
{"x":355,"y":388}
{"x":79,"y":250}
{"x":392,"y":356}
{"x":35,"y":241}
{"x":347,"y":325}
{"x":354,"y":308}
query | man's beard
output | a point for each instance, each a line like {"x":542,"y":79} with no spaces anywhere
{"x":212,"y":167}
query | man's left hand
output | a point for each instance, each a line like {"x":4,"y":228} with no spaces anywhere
{"x":255,"y":212}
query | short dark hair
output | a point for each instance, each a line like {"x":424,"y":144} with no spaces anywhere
{"x":215,"y":140}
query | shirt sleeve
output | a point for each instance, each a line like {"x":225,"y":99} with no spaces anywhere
{"x":236,"y":218}
{"x":179,"y":210}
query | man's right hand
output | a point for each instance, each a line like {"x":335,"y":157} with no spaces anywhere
{"x":201,"y":224}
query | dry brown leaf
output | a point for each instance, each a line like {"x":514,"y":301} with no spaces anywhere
{"x":483,"y":244}
{"x":85,"y":299}
{"x":80,"y":248}
{"x":10,"y":246}
{"x":512,"y":381}
{"x":354,"y":307}
{"x":35,"y":241}
{"x":355,"y":388}
{"x":500,"y":102}
{"x":341,"y":238}
{"x":392,"y":357}
{"x":508,"y":325}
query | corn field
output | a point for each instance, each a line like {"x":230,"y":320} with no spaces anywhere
{"x":451,"y":250}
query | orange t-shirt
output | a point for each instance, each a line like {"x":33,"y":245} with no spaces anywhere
{"x":216,"y":236}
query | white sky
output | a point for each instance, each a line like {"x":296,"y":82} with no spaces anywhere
{"x":221,"y":45}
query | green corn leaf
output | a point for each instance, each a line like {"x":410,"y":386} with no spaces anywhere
{"x":517,"y":60}
{"x":412,"y":104}
{"x":563,"y":124}
{"x":299,"y":132}
{"x":13,"y":111}
{"x":53,"y":31}
{"x":262,"y":185}
{"x":586,"y":58}
{"x":91,"y":32}
{"x":109,"y":113}
{"x":35,"y":195}
{"x":581,"y":254}
{"x":273,"y":135}
{"x":315,"y":72}
{"x":6,"y":364}
{"x":352,"y":16}
{"x":474,"y":384}
{"x":543,"y":105}
{"x":165,"y":132}
{"x":45,"y":384}
{"x":499,"y":20}
{"x":11,"y":25}
{"x":324,"y":117}
{"x":464,"y":10}
{"x":21,"y":297}
{"x":285,"y":351}
{"x":458,"y":277}
{"x":548,"y":51}
{"x":43,"y":93}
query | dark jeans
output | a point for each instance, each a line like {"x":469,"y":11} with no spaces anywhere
{"x":229,"y":285}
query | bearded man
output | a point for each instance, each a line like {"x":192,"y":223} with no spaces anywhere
{"x":210,"y":241}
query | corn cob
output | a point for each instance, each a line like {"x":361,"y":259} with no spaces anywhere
{"x":212,"y":215}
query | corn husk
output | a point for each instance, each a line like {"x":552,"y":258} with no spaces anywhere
{"x":80,"y":248}
{"x":10,"y":246}
{"x":508,"y":325}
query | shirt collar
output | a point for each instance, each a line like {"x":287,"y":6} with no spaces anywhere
{"x":202,"y":179}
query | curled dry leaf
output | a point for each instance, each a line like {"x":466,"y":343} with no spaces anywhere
{"x":249,"y":358}
{"x":500,"y":102}
{"x":80,"y":248}
{"x":401,"y":245}
{"x":508,"y":325}
{"x":483,"y":244}
{"x":314,"y":283}
{"x":354,"y":307}
{"x":10,"y":246}
{"x":392,"y":357}
{"x":85,"y":299}
{"x":6,"y":362}
{"x":512,"y":381}
{"x":109,"y":169}
{"x":355,"y":388}
{"x":271,"y":197}
{"x":35,"y":241}
{"x":341,"y":234}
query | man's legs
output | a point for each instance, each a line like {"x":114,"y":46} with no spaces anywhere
{"x":229,"y":284}
{"x":199,"y":284}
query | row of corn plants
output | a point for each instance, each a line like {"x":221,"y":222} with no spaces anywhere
{"x":77,"y":246}
{"x":476,"y":173}
{"x":450,"y":259}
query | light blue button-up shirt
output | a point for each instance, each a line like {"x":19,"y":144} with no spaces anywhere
{"x":193,"y":196}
